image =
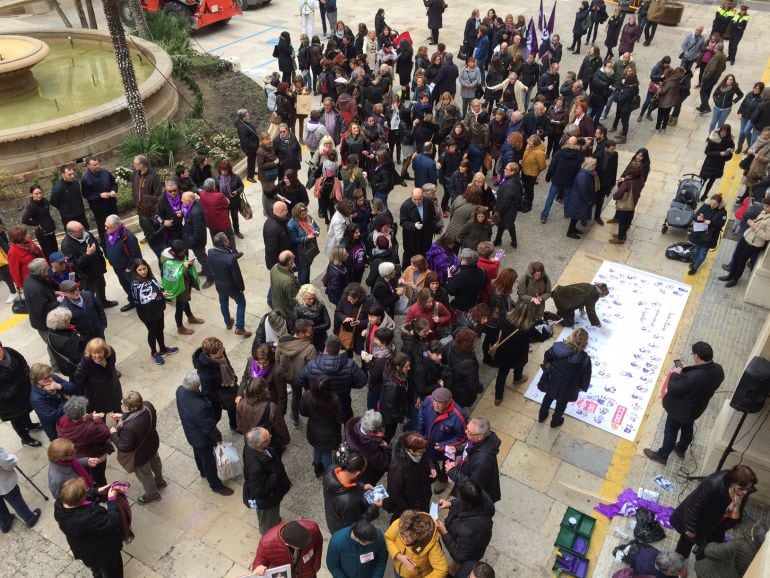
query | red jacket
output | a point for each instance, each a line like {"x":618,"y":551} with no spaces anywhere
{"x":91,"y":437}
{"x":491,"y":268}
{"x":415,"y":311}
{"x":272,"y":551}
{"x":19,"y":258}
{"x":216,"y":211}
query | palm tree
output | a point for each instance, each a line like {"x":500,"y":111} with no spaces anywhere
{"x":126,"y":66}
{"x":141,"y":24}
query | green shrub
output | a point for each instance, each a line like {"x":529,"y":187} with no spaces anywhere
{"x":207,"y":139}
{"x":160,"y":146}
{"x":124,"y":198}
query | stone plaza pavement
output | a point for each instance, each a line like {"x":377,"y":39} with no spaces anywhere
{"x":194,"y":532}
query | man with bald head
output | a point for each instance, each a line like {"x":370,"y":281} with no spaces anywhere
{"x":82,"y":250}
{"x":275,"y":233}
{"x":418,"y":222}
{"x":284,"y":286}
{"x":194,"y":233}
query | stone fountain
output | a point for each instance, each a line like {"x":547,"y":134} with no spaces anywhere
{"x":18,"y":54}
{"x":61,"y":97}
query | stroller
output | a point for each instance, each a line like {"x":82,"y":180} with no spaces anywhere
{"x":682,"y":210}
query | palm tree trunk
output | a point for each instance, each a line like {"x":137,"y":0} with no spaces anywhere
{"x":126,"y":66}
{"x":81,"y":13}
{"x":55,"y":5}
{"x":141,"y":24}
{"x":91,"y":15}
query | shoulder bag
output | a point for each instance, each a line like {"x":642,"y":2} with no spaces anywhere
{"x":245,"y":208}
{"x":309,"y":250}
{"x":495,"y":346}
{"x":346,"y":336}
{"x":127,"y":460}
{"x":626,"y":202}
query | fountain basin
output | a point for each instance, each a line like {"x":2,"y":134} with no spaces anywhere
{"x":90,"y":115}
{"x":18,"y":54}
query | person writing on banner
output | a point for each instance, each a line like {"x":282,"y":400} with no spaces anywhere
{"x":689,"y":390}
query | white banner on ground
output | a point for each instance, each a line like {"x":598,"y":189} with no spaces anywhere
{"x":639,"y":320}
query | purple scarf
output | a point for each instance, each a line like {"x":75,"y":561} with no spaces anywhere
{"x":257,"y":371}
{"x":176,"y":203}
{"x":186,"y":210}
{"x":112,"y":238}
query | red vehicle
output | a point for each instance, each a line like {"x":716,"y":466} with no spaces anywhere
{"x":196,"y":13}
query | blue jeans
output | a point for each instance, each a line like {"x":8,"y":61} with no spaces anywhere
{"x":595,"y":112}
{"x":699,"y":255}
{"x":16,"y":501}
{"x":528,"y":97}
{"x":240,"y":310}
{"x":718,"y":117}
{"x":746,"y":133}
{"x":382,"y":196}
{"x":303,"y":270}
{"x":553,"y":192}
{"x":323,"y":457}
{"x":610,"y":100}
{"x":670,"y":433}
{"x":476,"y":155}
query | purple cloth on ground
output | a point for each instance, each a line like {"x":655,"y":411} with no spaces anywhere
{"x":627,"y":504}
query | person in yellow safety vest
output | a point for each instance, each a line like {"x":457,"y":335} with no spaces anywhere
{"x":723,"y":18}
{"x":737,"y":28}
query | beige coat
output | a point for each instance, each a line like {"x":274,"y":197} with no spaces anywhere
{"x":759,"y":236}
{"x":408,"y":278}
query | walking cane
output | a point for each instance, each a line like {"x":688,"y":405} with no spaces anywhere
{"x":33,"y":483}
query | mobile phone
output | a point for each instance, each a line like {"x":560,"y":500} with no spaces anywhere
{"x":678,"y":363}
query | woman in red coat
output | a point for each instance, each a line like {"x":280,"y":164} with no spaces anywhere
{"x":20,"y":254}
{"x":428,"y":308}
{"x":298,"y":543}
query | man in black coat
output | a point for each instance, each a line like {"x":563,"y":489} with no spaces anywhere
{"x":479,"y":459}
{"x":199,"y":422}
{"x":561,"y":173}
{"x":229,"y":283}
{"x":288,"y":150}
{"x":446,"y":78}
{"x":275,"y":233}
{"x":548,"y":84}
{"x":607,"y":170}
{"x":40,"y":298}
{"x":342,"y":372}
{"x":194,"y":233}
{"x":121,"y":247}
{"x":418,"y":220}
{"x":94,"y":534}
{"x":536,"y":122}
{"x":101,"y":191}
{"x":170,"y":211}
{"x":14,"y":395}
{"x":265,"y":481}
{"x":86,"y":256}
{"x":467,"y":284}
{"x":510,"y":196}
{"x":67,"y":197}
{"x":689,"y":391}
{"x":249,"y":139}
{"x":88,"y":315}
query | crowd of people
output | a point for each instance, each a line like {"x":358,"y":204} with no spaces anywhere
{"x":406,"y":317}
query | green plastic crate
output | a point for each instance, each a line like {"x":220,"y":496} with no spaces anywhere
{"x":584,"y":526}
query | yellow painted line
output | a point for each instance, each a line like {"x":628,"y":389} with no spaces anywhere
{"x":614,"y":480}
{"x":12,"y":322}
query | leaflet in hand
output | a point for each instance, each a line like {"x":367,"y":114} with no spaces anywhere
{"x":377,"y":493}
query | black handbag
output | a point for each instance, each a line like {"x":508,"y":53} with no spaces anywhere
{"x":19,"y":306}
{"x":309,"y":250}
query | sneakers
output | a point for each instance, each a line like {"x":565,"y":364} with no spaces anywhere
{"x":655,"y":456}
{"x":158,"y":359}
{"x":224,"y":491}
{"x":169,"y":351}
{"x":148,"y":499}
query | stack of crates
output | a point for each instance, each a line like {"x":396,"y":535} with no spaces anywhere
{"x":572,"y":544}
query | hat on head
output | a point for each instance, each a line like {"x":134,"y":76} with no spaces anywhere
{"x":295,"y":535}
{"x":68,"y":285}
{"x":57,"y":257}
{"x":441,"y":395}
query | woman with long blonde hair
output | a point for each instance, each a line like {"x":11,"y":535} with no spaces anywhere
{"x":567,"y":373}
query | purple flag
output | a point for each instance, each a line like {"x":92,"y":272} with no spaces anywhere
{"x":541,"y":18}
{"x":552,"y":20}
{"x":532,"y":37}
